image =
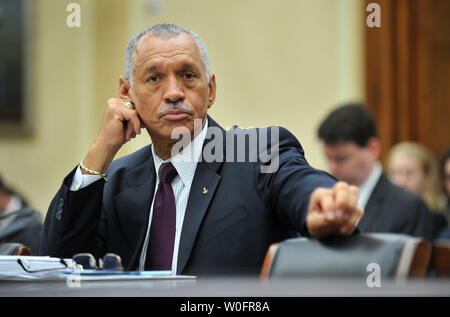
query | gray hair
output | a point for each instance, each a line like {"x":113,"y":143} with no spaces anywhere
{"x":164,"y":30}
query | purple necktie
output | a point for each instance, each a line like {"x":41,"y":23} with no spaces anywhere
{"x":162,"y":230}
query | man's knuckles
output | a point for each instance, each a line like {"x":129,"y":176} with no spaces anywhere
{"x":340,"y":186}
{"x":353,"y":189}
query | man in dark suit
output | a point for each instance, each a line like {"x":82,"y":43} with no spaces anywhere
{"x":352,"y":149}
{"x":19,"y":224}
{"x":185,"y":203}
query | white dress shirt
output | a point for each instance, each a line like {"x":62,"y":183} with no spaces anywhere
{"x":367,"y":187}
{"x":185,"y":163}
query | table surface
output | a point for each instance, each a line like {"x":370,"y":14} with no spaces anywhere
{"x":226,"y":287}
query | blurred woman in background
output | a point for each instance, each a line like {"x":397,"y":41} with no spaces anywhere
{"x":412,"y":167}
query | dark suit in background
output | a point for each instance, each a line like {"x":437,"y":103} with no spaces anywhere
{"x":24,"y":228}
{"x":226,"y":230}
{"x":392,"y":209}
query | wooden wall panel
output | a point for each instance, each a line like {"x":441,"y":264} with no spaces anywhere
{"x":408,"y":73}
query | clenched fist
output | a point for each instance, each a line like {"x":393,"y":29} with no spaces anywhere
{"x":333,"y":211}
{"x":119,"y":125}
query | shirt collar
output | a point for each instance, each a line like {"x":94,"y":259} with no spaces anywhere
{"x":186,"y":161}
{"x":366,"y":188}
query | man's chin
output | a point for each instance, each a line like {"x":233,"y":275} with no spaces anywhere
{"x":168,"y":129}
{"x":175,"y":131}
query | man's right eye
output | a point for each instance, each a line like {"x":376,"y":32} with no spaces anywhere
{"x":153,"y":79}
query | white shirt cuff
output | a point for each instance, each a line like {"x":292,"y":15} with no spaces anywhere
{"x":81,"y":180}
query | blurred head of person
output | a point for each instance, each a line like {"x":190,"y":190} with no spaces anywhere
{"x":445,"y":172}
{"x":350,"y":143}
{"x":6,"y":194}
{"x":414,"y":168}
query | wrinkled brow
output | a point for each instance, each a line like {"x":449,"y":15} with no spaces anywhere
{"x":184,"y":67}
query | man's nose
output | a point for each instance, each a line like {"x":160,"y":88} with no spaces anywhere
{"x":173,"y":92}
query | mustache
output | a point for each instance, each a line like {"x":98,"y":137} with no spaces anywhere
{"x":174,"y":106}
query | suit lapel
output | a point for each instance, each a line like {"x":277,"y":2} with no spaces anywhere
{"x":204,"y":185}
{"x":374,"y":206}
{"x":133,"y":205}
{"x":198,"y":203}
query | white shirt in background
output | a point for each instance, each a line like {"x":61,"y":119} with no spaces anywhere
{"x":367,"y":187}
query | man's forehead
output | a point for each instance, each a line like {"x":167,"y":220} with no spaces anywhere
{"x":150,"y":46}
{"x":341,"y":147}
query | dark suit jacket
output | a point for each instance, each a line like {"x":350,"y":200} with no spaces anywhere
{"x":227,"y":230}
{"x":392,"y":209}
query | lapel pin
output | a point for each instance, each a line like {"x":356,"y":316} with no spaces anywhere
{"x":205,"y":191}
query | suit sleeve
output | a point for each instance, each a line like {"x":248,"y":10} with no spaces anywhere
{"x":72,"y":223}
{"x":289,"y":188}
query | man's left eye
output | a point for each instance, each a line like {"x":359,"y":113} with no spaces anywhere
{"x":189,"y":76}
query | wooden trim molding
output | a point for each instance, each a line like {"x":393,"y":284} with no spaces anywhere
{"x":268,"y":260}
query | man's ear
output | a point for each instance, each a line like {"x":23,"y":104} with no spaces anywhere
{"x":374,"y":145}
{"x":124,"y":89}
{"x":212,"y":90}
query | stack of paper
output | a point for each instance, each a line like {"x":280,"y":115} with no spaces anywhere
{"x":34,"y":266}
{"x":45,"y":268}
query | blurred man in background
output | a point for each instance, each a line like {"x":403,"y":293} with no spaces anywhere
{"x":18,"y":223}
{"x":445,"y":172}
{"x":352,"y":148}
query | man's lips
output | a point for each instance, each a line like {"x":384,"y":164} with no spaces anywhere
{"x":175,"y":115}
